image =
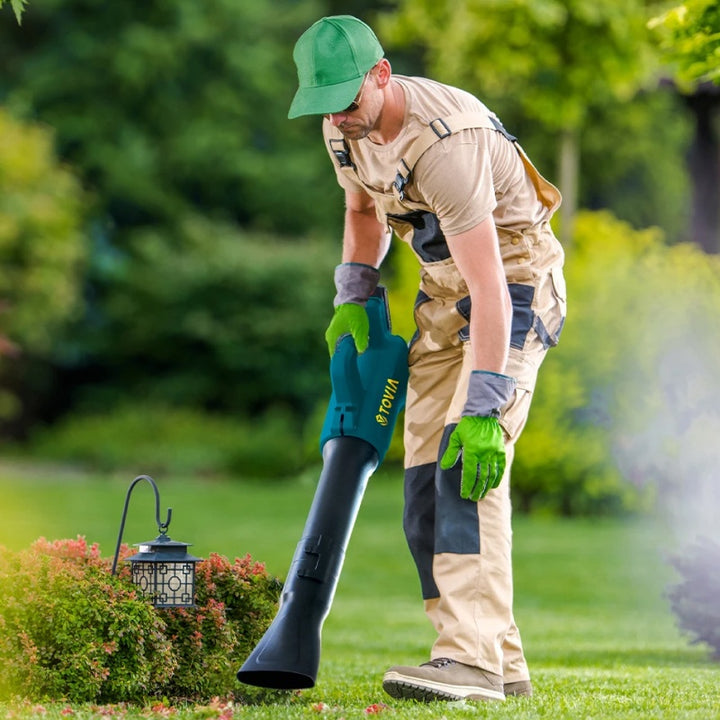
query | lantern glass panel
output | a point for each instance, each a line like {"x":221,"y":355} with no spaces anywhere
{"x":143,"y":575}
{"x":175,"y":584}
{"x":168,"y":584}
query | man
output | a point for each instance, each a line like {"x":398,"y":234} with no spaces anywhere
{"x":434,"y":165}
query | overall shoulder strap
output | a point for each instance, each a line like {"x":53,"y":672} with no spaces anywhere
{"x":440,"y":128}
{"x":437,"y":130}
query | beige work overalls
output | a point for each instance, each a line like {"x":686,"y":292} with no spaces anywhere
{"x":462,"y":549}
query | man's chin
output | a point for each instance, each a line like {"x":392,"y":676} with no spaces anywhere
{"x":354,"y":133}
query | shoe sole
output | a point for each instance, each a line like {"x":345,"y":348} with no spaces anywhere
{"x":403,"y":687}
{"x":522,"y":688}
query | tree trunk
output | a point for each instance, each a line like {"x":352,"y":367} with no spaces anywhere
{"x":704,"y":167}
{"x":569,"y":173}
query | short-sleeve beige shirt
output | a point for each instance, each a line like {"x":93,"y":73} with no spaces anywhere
{"x":462,"y":178}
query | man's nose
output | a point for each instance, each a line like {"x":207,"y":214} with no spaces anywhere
{"x":336,"y":118}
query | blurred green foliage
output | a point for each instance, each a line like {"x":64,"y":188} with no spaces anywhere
{"x":170,"y":107}
{"x":578,"y":74}
{"x":563,"y":57}
{"x":175,"y":115}
{"x":149,"y":438}
{"x":618,"y":407}
{"x":213,"y":317}
{"x":42,"y":249}
{"x":642,"y":174}
{"x":689,"y":34}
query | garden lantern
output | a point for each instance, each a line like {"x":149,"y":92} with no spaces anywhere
{"x":162,"y":568}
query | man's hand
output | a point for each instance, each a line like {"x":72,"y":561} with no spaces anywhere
{"x":480,"y":442}
{"x":349,"y":318}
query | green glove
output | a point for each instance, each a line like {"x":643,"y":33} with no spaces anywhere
{"x":352,"y":319}
{"x":480,"y":442}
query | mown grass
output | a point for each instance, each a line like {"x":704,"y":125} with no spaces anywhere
{"x":589,"y":598}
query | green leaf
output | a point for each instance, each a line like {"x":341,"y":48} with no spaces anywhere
{"x":18,"y":7}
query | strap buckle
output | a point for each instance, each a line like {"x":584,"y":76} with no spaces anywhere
{"x":342,"y":154}
{"x":441,"y":133}
{"x":402,"y":180}
{"x":501,"y":129}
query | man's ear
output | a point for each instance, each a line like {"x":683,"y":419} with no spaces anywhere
{"x":383,"y":71}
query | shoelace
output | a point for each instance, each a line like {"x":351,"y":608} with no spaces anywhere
{"x":440,"y":662}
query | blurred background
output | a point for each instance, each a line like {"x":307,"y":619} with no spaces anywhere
{"x":167,"y":237}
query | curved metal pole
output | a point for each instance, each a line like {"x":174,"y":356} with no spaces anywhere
{"x":162,"y":527}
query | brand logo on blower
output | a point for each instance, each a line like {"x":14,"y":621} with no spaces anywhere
{"x":391,"y":387}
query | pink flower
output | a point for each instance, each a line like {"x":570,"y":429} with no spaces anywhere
{"x":375,"y":708}
{"x":224,"y":708}
{"x":104,"y":710}
{"x":163,"y":710}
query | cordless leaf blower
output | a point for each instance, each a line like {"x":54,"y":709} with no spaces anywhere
{"x":368,"y":392}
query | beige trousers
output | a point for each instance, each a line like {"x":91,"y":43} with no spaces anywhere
{"x":463,"y":549}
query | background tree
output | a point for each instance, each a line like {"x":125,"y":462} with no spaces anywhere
{"x":175,"y":117}
{"x":561,"y":60}
{"x":42,"y":253}
{"x":689,"y":35}
{"x":213,"y":317}
{"x":172,"y":106}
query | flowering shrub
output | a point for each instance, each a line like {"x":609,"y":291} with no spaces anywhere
{"x":70,"y":630}
{"x":235,"y":603}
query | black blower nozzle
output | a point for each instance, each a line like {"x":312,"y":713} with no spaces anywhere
{"x":368,"y":394}
{"x":288,"y":655}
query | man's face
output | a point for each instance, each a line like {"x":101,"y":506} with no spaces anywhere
{"x":360,"y":118}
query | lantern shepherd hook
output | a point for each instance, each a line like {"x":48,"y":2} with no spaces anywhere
{"x":162,"y":527}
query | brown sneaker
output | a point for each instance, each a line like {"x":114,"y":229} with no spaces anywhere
{"x":521,"y":687}
{"x":442,"y":679}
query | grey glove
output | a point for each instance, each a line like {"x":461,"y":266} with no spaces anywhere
{"x":487,"y":393}
{"x":355,"y":283}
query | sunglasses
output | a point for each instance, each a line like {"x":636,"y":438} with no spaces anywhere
{"x":355,"y":104}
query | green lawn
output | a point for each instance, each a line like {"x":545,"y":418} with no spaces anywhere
{"x":589,"y":597}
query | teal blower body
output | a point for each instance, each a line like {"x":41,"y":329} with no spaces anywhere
{"x":368,"y":393}
{"x":368,"y":390}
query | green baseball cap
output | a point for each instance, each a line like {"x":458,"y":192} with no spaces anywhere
{"x":332,"y":57}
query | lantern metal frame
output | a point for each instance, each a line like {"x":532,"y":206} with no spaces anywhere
{"x":162,"y":569}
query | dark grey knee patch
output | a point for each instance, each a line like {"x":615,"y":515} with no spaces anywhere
{"x":419,"y":523}
{"x":457,"y":529}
